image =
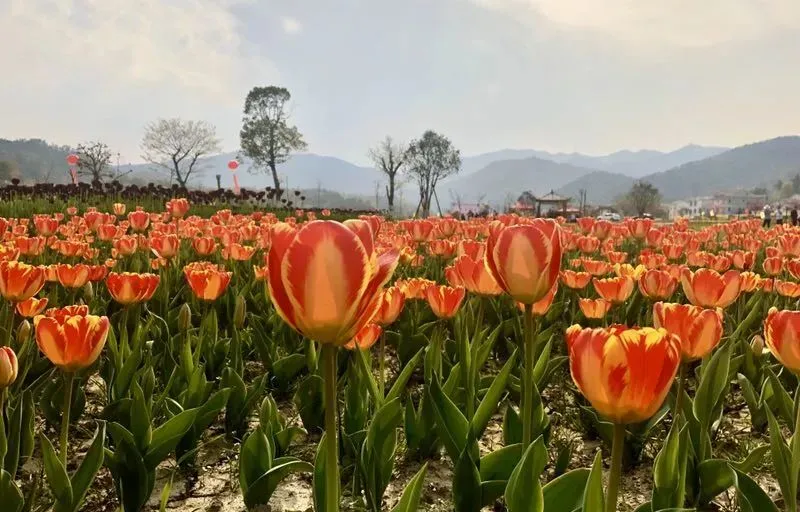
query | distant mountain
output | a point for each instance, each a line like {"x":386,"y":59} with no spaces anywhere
{"x":602,"y":187}
{"x":507,"y":179}
{"x":470,"y":164}
{"x":753,"y":165}
{"x":33,"y":160}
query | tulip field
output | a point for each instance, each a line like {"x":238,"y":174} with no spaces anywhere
{"x":189,"y":357}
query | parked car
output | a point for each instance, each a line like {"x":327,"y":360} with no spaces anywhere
{"x":610,"y":216}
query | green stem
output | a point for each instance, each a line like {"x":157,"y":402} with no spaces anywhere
{"x":678,"y":411}
{"x":616,"y":468}
{"x":529,"y":351}
{"x":331,"y":444}
{"x":69,"y":378}
{"x":382,"y":364}
{"x":466,"y":379}
{"x":791,"y":504}
{"x":10,"y":324}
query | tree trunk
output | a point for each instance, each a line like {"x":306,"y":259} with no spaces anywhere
{"x":275,"y":180}
{"x":390,"y":194}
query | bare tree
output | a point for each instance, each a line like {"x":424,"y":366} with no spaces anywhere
{"x":176,"y":146}
{"x":389,"y":157}
{"x":430,"y":159}
{"x":94,"y":159}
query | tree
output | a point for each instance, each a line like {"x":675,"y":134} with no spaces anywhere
{"x":642,"y":198}
{"x":93,"y":161}
{"x":796,"y":184}
{"x":176,"y":146}
{"x":429,"y":160}
{"x":266,"y":136}
{"x":389,"y":158}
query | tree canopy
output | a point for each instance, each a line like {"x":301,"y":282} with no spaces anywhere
{"x":176,"y":146}
{"x":430,"y":159}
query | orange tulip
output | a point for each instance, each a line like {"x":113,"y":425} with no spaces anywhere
{"x":672,"y":251}
{"x":625,"y":373}
{"x":782,"y":334}
{"x":699,"y":330}
{"x":596,"y":267}
{"x":471,"y":248}
{"x":773,"y":266}
{"x":238,"y":252}
{"x":20,"y":281}
{"x":475,"y":277}
{"x":575,"y":280}
{"x":657,"y":284}
{"x":9,"y":367}
{"x":628,"y":270}
{"x":525,"y":259}
{"x":787,"y":288}
{"x":541,"y":307}
{"x":322,"y":282}
{"x":614,"y":289}
{"x":750,"y":281}
{"x":126,"y":245}
{"x":128,"y":288}
{"x":445,"y":301}
{"x":204,"y":245}
{"x":139,"y":220}
{"x":31,"y":307}
{"x":178,"y":207}
{"x":793,"y":266}
{"x":588,"y":244}
{"x":118,"y":208}
{"x":639,"y":227}
{"x":207,"y":281}
{"x":594,"y":308}
{"x":72,"y":276}
{"x":45,"y":225}
{"x":71,"y":338}
{"x":708,"y":289}
{"x":415,"y":287}
{"x":365,"y":338}
{"x":164,"y":246}
{"x":601,"y":229}
{"x":743,"y":260}
{"x":392,"y":303}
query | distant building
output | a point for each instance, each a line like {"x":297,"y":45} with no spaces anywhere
{"x":722,"y":203}
{"x":677,"y":209}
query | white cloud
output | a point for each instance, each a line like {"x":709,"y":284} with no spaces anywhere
{"x":291,"y":25}
{"x":687,"y":23}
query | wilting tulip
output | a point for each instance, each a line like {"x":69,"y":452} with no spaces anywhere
{"x":614,"y":289}
{"x":575,"y":280}
{"x":657,"y":284}
{"x":128,"y":288}
{"x":31,"y":307}
{"x":781,"y":330}
{"x":594,"y":309}
{"x":708,"y":289}
{"x":323,"y":284}
{"x":699,"y":330}
{"x":365,"y":338}
{"x":625,"y":374}
{"x":8,"y":370}
{"x":20,"y":281}
{"x":72,"y":276}
{"x":525,"y":259}
{"x":207,"y":281}
{"x":445,"y":301}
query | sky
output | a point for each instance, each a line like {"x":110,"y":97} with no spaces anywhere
{"x":556,"y":75}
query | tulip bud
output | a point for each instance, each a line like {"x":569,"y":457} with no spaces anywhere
{"x":23,"y":332}
{"x":240,"y":312}
{"x":185,"y":318}
{"x":757,"y":345}
{"x":8,"y":367}
{"x":88,"y":292}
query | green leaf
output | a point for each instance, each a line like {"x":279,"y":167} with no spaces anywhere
{"x":318,"y":483}
{"x":451,"y":424}
{"x":712,"y":385}
{"x":10,"y":494}
{"x":489,"y":403}
{"x":84,"y":476}
{"x":524,"y":493}
{"x":255,"y":459}
{"x":593,"y":498}
{"x":499,"y":464}
{"x":122,"y":382}
{"x":781,"y":458}
{"x":752,"y":460}
{"x":752,"y":496}
{"x":141,"y":427}
{"x":784,"y":401}
{"x":261,"y":490}
{"x":542,"y":363}
{"x":366,"y":373}
{"x":56,"y":474}
{"x":564,"y":492}
{"x":167,"y":436}
{"x":716,"y":476}
{"x":405,"y":375}
{"x":467,"y":483}
{"x":378,"y":451}
{"x":668,"y":479}
{"x":409,"y":501}
{"x":287,"y":368}
{"x":512,"y":426}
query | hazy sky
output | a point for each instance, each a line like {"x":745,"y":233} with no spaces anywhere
{"x":563,"y":75}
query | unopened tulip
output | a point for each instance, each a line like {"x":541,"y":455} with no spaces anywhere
{"x":782,"y":335}
{"x":8,"y":369}
{"x":392,"y":303}
{"x":525,"y":259}
{"x":699,"y":330}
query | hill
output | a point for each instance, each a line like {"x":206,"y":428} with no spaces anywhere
{"x":602,"y":187}
{"x":753,"y":165}
{"x":33,"y":160}
{"x":501,"y":181}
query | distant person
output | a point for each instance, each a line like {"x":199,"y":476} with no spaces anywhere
{"x":793,"y":216}
{"x":779,"y":216}
{"x":767,"y":216}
